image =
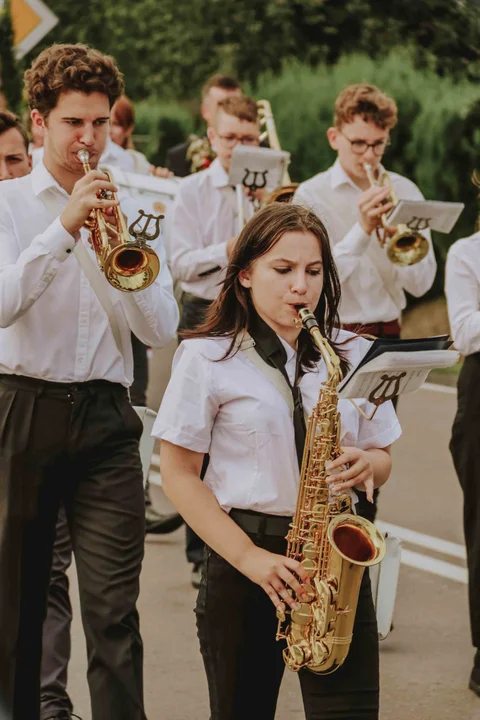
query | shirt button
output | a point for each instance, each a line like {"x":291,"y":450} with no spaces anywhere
{"x":69,"y":251}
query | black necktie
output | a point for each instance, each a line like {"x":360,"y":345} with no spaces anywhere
{"x":271,"y":350}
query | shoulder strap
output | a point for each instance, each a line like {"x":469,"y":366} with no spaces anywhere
{"x":99,"y":288}
{"x":246,"y":345}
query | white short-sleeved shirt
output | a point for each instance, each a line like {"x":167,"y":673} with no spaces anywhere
{"x":232,"y":411}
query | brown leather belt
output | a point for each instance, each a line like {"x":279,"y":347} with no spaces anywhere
{"x":256,"y":523}
{"x":378,"y":329}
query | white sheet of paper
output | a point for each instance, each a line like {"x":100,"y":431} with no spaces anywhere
{"x":402,"y":371}
{"x":426,"y":214}
{"x":262,"y":166}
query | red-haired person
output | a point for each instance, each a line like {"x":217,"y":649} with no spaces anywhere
{"x":68,"y":432}
{"x":373,"y":288}
{"x":122,"y":125}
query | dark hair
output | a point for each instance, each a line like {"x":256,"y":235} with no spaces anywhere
{"x":225,"y":82}
{"x":243,"y":108}
{"x":8,"y":121}
{"x":61,"y":68}
{"x":369,"y":102}
{"x":231,"y":312}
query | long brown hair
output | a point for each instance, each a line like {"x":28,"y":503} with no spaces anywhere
{"x":231,"y":312}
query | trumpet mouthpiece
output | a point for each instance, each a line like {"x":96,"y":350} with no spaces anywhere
{"x":83,"y":156}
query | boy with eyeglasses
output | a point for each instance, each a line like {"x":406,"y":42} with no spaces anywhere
{"x":373,"y":288}
{"x":204,"y":230}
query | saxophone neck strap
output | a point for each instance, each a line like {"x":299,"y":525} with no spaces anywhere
{"x":246,"y":345}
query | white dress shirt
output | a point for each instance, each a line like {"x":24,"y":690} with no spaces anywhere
{"x":462,"y":288}
{"x":372,"y":286}
{"x":52,"y":324}
{"x":204,"y":218}
{"x":232,"y":411}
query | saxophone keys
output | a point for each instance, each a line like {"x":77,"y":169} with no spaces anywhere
{"x":309,"y":566}
{"x":295,"y":656}
{"x":303,"y":616}
{"x":309,"y":551}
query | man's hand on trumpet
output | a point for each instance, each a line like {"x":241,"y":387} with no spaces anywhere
{"x":86,"y":196}
{"x":372,"y":204}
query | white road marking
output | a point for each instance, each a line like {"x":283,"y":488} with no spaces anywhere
{"x":432,"y":565}
{"x":426,"y":541}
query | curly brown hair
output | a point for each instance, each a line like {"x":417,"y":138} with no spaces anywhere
{"x":369,"y":102}
{"x":61,"y":68}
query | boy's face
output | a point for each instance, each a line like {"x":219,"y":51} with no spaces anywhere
{"x":15,"y":162}
{"x":227,"y":132}
{"x":347,"y":141}
{"x":77,"y":122}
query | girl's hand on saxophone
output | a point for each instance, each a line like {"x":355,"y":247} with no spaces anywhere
{"x":365,"y":469}
{"x":277,"y":575}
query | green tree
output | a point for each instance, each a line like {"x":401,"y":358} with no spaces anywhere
{"x":10,"y":79}
{"x":167,"y":48}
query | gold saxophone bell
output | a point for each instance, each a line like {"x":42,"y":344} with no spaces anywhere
{"x":405,"y":247}
{"x":129,"y":264}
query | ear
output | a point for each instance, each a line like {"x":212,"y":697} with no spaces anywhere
{"x":29,"y":162}
{"x":211,"y":136}
{"x":38,"y":119}
{"x":244,"y":279}
{"x":332,"y":136}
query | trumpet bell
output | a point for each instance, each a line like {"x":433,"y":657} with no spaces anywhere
{"x":131,"y":267}
{"x":406,"y":247}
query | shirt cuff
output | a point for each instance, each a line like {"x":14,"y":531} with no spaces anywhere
{"x":57,"y":241}
{"x":355,"y":241}
{"x":219,"y":254}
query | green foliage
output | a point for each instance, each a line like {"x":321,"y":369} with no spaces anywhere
{"x":10,"y":80}
{"x":167,"y":48}
{"x":159,"y":126}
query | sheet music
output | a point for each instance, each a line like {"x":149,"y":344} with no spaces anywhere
{"x":426,"y":214}
{"x":257,"y":167}
{"x":394,"y":373}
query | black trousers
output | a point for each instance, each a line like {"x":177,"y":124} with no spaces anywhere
{"x":236,"y":625}
{"x":56,"y":640}
{"x":76,"y":445}
{"x":465,"y":449}
{"x":192,"y":314}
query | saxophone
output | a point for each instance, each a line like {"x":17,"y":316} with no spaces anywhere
{"x":333,"y":545}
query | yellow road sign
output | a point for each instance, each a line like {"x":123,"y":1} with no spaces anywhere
{"x":32,"y":20}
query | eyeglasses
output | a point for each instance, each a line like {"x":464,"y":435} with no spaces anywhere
{"x":231,"y":140}
{"x":359,"y":147}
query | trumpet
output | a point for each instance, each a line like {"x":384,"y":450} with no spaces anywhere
{"x":405,"y":247}
{"x":129,"y":265}
{"x":286,"y":191}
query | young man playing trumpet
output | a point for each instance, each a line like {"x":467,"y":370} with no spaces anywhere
{"x":68,"y":433}
{"x":373,"y":288}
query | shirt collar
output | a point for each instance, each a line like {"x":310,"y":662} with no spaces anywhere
{"x":339,"y":176}
{"x":43,"y":180}
{"x":291,"y":353}
{"x":218,"y":174}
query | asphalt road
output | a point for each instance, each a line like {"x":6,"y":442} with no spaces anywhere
{"x":425,"y":661}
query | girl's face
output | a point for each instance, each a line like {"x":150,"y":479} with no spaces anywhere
{"x":288,"y":276}
{"x":118,"y":133}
